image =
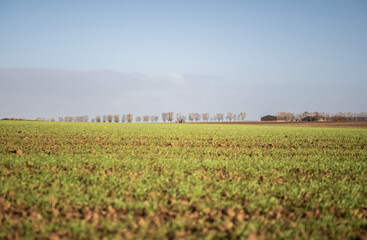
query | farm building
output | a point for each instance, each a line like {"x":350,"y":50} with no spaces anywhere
{"x":313,"y":119}
{"x":270,"y":118}
{"x":309,"y":119}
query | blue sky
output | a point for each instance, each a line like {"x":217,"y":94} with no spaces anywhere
{"x":111,"y":57}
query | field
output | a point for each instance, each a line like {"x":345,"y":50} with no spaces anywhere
{"x":181,"y":181}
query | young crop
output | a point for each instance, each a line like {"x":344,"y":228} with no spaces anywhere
{"x":176,"y":181}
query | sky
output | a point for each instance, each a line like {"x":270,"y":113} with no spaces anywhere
{"x":69,"y":58}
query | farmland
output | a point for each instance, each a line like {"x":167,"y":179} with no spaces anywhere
{"x":63,"y":180}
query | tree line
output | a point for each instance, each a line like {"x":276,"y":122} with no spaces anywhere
{"x":323,"y":116}
{"x":165,"y":116}
{"x":218,"y":117}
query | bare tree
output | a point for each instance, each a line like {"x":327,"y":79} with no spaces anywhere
{"x":138,"y":119}
{"x":180,"y":117}
{"x":116,"y":118}
{"x":164,"y":117}
{"x":68,"y":119}
{"x":219,"y":117}
{"x":93,"y":119}
{"x":104,"y":118}
{"x":191,"y":117}
{"x":123,"y":118}
{"x":290,"y":117}
{"x":109,"y":118}
{"x":81,"y":118}
{"x":362,"y":116}
{"x":229,"y":116}
{"x":170,"y":116}
{"x":197,"y":117}
{"x":145,"y":119}
{"x":242,"y":116}
{"x":61,"y":119}
{"x":327,"y":116}
{"x":129,"y":117}
{"x":156,"y":118}
{"x":98,"y":118}
{"x":206,"y":117}
{"x":340,"y":117}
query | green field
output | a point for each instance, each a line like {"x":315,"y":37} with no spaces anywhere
{"x":181,"y":181}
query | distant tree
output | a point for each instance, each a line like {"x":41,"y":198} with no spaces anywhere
{"x":129,"y":117}
{"x":52,"y":119}
{"x":180,"y":117}
{"x":288,"y":117}
{"x":164,"y":117}
{"x":305,"y":114}
{"x":229,"y":116}
{"x":219,"y":117}
{"x":98,"y":118}
{"x":104,"y":117}
{"x":339,"y":117}
{"x":138,"y":119}
{"x":170,"y":116}
{"x":93,"y":119}
{"x":197,"y":117}
{"x":123,"y":118}
{"x":206,"y":117}
{"x":145,"y":119}
{"x":66,"y":119}
{"x":116,"y":118}
{"x":109,"y":118}
{"x":191,"y":117}
{"x":362,"y":116}
{"x":291,"y":117}
{"x":61,"y":119}
{"x":325,"y":116}
{"x":81,"y":119}
{"x":242,"y":116}
{"x":156,"y":118}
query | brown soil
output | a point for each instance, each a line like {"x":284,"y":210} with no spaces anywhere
{"x":301,"y":124}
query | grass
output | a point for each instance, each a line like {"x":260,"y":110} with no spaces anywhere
{"x":181,"y":181}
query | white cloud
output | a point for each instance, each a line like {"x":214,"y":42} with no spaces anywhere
{"x":177,"y":78}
